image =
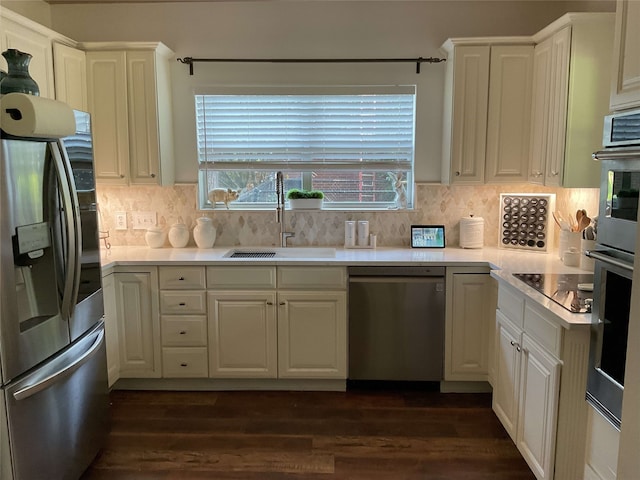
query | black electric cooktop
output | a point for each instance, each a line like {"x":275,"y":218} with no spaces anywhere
{"x":573,"y":291}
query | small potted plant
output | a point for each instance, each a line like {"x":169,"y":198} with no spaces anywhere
{"x":305,"y":199}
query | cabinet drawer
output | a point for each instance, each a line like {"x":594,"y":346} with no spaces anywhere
{"x":184,"y":331}
{"x":177,"y":302}
{"x":312,"y":277}
{"x":511,"y":304}
{"x":545,"y":331}
{"x":241,"y":277}
{"x":180,"y":362}
{"x":182,"y":278}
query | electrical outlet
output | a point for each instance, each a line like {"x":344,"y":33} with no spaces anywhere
{"x":143,"y":220}
{"x":121,"y":220}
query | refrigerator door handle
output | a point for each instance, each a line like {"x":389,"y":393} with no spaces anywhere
{"x":74,"y":234}
{"x":64,"y":372}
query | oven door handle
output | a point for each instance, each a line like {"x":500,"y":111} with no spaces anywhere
{"x":603,"y":257}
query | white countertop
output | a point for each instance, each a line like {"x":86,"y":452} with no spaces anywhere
{"x":503,"y":263}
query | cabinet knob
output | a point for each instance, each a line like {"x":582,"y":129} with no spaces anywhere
{"x":513,"y":344}
{"x":457,"y":174}
{"x":282,"y":303}
{"x":153,"y":175}
{"x":121,"y":175}
{"x":183,"y":332}
{"x":184,"y":364}
{"x":518,"y":348}
{"x":269,"y":303}
{"x":182,"y":304}
{"x":554,"y":174}
{"x":181,"y":279}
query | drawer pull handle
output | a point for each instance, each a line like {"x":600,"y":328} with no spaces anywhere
{"x":283,"y":303}
{"x":181,"y":279}
{"x":184,"y":364}
{"x":183,"y":332}
{"x":182,"y":304}
{"x":269,"y":303}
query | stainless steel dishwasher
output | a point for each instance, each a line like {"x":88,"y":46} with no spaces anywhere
{"x":396,"y":323}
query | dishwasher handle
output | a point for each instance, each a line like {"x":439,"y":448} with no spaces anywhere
{"x":396,"y":271}
{"x":396,"y":280}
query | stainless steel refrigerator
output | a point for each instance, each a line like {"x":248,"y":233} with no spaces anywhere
{"x":54,"y":402}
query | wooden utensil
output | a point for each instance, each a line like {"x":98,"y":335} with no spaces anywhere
{"x":578,"y":221}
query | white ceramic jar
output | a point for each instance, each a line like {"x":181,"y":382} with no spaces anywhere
{"x":155,"y":237}
{"x":204,"y":233}
{"x":178,"y":235}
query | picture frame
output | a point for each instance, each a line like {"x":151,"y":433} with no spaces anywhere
{"x":427,"y":236}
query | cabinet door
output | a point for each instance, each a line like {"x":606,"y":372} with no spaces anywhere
{"x":242,"y":334}
{"x":540,"y":111}
{"x":469,"y":117}
{"x":22,"y":38}
{"x":312,"y":335}
{"x":111,"y":328}
{"x":509,"y":113}
{"x":560,"y":51}
{"x":540,"y":377}
{"x":70,"y":68}
{"x":506,"y":388}
{"x":473,"y":309}
{"x":138,"y":323}
{"x":143,"y":117}
{"x":107,"y":99}
{"x":625,"y":91}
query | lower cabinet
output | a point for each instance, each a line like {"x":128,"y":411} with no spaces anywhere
{"x":138,"y":322}
{"x":603,"y":442}
{"x":312,"y":334}
{"x":243,"y":334}
{"x":111,"y":328}
{"x":543,"y":411}
{"x":470,"y":318}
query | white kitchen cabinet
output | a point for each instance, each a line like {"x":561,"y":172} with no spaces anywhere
{"x":487,"y":110}
{"x":136,"y":294}
{"x":111,"y":328}
{"x":603,"y":441}
{"x":543,"y":411}
{"x":625,"y":87}
{"x":129,"y":97}
{"x":296,"y":331}
{"x":469,"y":324}
{"x":183,"y":309}
{"x":312,"y":334}
{"x":70,"y":70}
{"x":243,"y":334}
{"x":567,"y":110}
{"x":24,"y":35}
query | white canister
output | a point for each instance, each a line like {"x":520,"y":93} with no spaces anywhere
{"x":363,"y":233}
{"x":204,"y":233}
{"x":571,"y":257}
{"x":349,"y":233}
{"x":155,"y":237}
{"x":178,"y":235}
{"x":471,"y":232}
{"x":567,"y":241}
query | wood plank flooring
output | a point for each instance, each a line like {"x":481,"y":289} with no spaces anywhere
{"x":359,"y":434}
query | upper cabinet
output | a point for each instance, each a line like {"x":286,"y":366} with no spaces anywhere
{"x":129,"y":97}
{"x":487,"y":110}
{"x":71,"y":76}
{"x":625,"y":87}
{"x":572,"y":62}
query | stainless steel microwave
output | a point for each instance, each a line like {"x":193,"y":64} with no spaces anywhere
{"x":622,"y":129}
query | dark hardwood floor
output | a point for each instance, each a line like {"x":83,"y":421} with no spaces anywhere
{"x":360,"y":434}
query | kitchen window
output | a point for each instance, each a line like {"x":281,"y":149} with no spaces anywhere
{"x":355,"y":144}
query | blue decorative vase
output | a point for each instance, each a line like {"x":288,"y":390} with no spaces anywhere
{"x":18,"y":78}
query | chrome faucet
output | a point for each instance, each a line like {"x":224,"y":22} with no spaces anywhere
{"x":280,"y":210}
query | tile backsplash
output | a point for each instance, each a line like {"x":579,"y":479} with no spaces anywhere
{"x":435,"y":204}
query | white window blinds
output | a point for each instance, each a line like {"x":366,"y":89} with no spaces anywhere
{"x":307,"y":131}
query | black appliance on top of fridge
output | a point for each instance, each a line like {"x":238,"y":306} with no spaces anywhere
{"x":54,"y":399}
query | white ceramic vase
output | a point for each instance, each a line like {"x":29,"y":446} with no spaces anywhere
{"x":155,"y":237}
{"x":178,"y":235}
{"x":204,"y":232}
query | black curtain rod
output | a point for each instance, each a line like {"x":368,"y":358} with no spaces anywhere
{"x":190,"y":60}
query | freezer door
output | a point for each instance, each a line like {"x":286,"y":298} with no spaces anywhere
{"x":58,"y":415}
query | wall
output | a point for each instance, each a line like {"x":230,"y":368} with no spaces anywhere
{"x":436,"y":204}
{"x":321,"y":29}
{"x":37,"y":10}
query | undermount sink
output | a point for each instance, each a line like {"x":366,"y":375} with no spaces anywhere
{"x":288,"y":252}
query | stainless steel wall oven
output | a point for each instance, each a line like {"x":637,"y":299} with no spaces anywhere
{"x":614,"y":257}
